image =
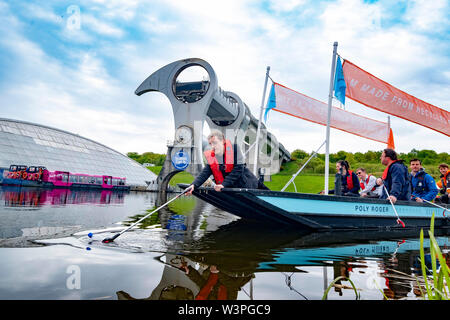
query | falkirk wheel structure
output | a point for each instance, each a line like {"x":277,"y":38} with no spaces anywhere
{"x":196,"y":102}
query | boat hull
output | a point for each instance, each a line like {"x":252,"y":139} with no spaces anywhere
{"x":322,"y":212}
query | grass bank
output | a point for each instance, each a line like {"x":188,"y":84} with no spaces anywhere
{"x":182,"y":177}
{"x":306,"y":183}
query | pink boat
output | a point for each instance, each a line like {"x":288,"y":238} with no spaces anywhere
{"x":41,"y":177}
{"x":14,"y":196}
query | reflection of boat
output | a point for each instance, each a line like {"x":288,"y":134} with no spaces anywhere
{"x":36,"y":197}
{"x":316,"y":256}
{"x":243,"y":246}
{"x":20,"y":175}
{"x":321,"y":212}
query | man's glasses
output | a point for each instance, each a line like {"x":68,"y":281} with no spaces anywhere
{"x":359,"y":172}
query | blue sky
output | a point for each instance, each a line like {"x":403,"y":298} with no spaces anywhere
{"x":74,"y":65}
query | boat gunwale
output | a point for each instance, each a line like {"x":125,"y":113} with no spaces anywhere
{"x":234,"y":198}
{"x":312,"y":196}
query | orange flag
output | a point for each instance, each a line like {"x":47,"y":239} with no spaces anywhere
{"x":390,"y":143}
{"x":375,"y":93}
{"x":296,"y":104}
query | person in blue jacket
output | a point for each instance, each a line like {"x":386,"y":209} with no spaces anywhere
{"x":395,"y":177}
{"x":423,"y":185}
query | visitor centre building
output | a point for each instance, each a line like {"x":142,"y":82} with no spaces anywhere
{"x":30,"y":144}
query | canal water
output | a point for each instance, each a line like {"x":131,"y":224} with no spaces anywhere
{"x":46,"y":252}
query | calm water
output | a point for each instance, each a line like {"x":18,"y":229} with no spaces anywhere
{"x":46,"y":253}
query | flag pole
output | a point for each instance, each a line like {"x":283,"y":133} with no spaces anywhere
{"x":389,"y":126}
{"x":330,"y":101}
{"x":258,"y":131}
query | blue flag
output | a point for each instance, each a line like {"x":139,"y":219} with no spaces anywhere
{"x":339,"y":82}
{"x":271,"y":102}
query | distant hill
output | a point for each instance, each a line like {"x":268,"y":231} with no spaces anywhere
{"x":369,"y":160}
{"x":148,"y":157}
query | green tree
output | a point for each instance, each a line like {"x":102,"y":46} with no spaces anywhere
{"x":444,"y":157}
{"x":341,"y":155}
{"x":148,"y":157}
{"x":299,"y":154}
{"x":359,"y":157}
{"x":133,"y":155}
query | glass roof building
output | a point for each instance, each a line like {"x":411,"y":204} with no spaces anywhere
{"x":30,"y":144}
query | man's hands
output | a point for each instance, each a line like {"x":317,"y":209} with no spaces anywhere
{"x":392,"y":198}
{"x":190,"y":189}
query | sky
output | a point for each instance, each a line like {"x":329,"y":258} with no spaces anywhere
{"x":74,"y":65}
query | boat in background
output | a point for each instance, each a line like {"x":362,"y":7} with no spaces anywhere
{"x":39,"y":176}
{"x":316,"y":212}
{"x":16,"y":196}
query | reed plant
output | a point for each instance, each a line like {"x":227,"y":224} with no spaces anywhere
{"x":434,"y":284}
{"x":332,"y":284}
{"x":437,"y":286}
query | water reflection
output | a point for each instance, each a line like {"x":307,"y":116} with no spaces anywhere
{"x":30,"y":213}
{"x":37,"y":197}
{"x":191,"y":250}
{"x":224,"y":262}
{"x":183,"y":279}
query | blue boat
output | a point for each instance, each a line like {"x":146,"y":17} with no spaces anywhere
{"x":323,"y":212}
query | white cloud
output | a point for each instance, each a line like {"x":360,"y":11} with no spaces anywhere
{"x":239,"y":40}
{"x":100,"y":27}
{"x":114,"y":9}
{"x":286,"y":5}
{"x":84,"y":100}
{"x":427,"y":16}
{"x":42,"y":13}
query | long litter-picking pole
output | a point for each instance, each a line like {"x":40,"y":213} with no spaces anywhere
{"x":436,"y":205}
{"x":399,"y":221}
{"x":111,"y":239}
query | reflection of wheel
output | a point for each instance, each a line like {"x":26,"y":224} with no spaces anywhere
{"x":177,"y":262}
{"x":173,"y":292}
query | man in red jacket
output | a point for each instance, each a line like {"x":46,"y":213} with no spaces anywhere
{"x":225,"y":162}
{"x":395,"y":177}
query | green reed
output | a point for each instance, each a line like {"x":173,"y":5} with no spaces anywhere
{"x":324,"y":297}
{"x":435,"y":287}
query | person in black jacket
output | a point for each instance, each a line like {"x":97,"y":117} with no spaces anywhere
{"x":346,"y":181}
{"x":395,"y":177}
{"x":225,"y":162}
